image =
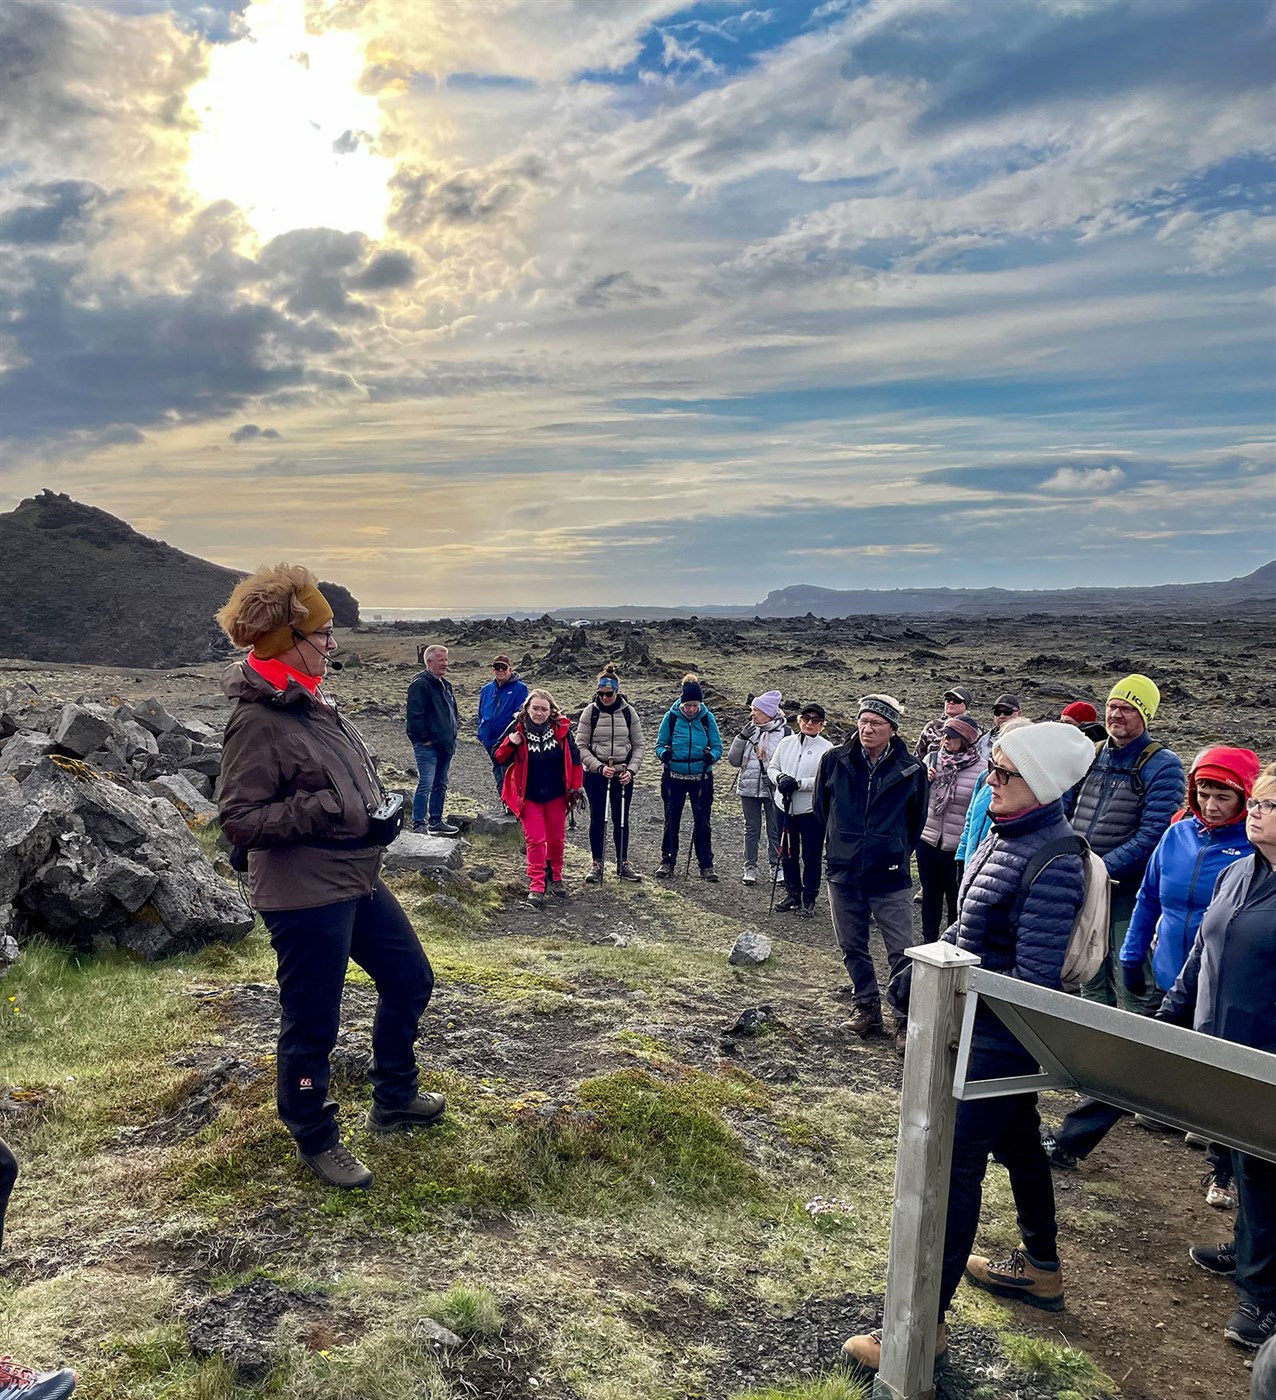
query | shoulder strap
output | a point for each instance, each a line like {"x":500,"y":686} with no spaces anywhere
{"x":1153,"y":746}
{"x":1061,"y":846}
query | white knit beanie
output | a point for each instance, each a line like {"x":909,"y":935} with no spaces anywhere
{"x":1051,"y":757}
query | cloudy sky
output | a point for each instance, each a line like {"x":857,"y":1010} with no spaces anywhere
{"x":487,"y":303}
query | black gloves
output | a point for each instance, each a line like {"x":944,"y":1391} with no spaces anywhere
{"x":787,"y":784}
{"x":1136,"y":982}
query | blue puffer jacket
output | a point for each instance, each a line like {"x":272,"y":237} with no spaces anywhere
{"x":497,"y":706}
{"x":1123,"y":814}
{"x":978,"y":821}
{"x":1176,"y":891}
{"x":1228,"y":985}
{"x":1023,"y":936}
{"x":689,"y":746}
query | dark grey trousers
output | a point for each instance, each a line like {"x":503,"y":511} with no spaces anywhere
{"x":893,"y":913}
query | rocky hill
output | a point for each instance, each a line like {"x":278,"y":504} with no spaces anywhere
{"x":80,"y":585}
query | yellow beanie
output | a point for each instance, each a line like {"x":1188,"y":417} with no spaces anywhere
{"x":268,"y":608}
{"x":1140,"y":692}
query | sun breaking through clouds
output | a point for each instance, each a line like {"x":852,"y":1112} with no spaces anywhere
{"x":484,"y":303}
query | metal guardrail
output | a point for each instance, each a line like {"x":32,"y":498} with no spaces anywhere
{"x":1195,"y":1082}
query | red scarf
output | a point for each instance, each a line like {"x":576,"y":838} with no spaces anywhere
{"x":279,"y":673}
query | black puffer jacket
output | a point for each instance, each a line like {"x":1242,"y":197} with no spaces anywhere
{"x":872,"y":817}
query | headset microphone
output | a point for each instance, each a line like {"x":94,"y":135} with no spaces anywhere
{"x":335,"y":665}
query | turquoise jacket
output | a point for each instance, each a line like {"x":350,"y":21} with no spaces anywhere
{"x":690,"y":747}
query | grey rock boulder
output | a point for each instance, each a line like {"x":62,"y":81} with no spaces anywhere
{"x":751,"y":950}
{"x":417,"y":851}
{"x":139,"y":740}
{"x":26,"y":837}
{"x":193,"y":805}
{"x":150,"y":714}
{"x":83,"y":729}
{"x":21,"y":753}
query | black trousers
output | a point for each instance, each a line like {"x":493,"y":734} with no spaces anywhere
{"x":313,"y":948}
{"x":8,"y":1175}
{"x":608,"y":797}
{"x":937,"y":874}
{"x":802,"y":846}
{"x":1255,"y":1229}
{"x":675,"y":795}
{"x":1009,"y":1130}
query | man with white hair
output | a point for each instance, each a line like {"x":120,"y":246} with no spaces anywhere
{"x":432,"y":726}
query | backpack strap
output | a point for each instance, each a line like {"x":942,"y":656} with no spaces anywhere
{"x":1073,"y":845}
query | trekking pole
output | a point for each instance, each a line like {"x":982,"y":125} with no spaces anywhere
{"x":781,"y":852}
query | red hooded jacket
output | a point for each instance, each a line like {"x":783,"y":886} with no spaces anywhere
{"x":514,"y":788}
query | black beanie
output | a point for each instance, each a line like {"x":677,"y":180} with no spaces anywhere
{"x":691,"y":690}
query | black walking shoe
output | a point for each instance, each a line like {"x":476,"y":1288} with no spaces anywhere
{"x":807,"y":911}
{"x":1251,"y":1325}
{"x":707,"y":872}
{"x":444,"y":829}
{"x":337,"y":1167}
{"x":664,"y":871}
{"x":788,"y":904}
{"x":558,"y":889}
{"x":1217,"y":1259}
{"x":1057,"y":1156}
{"x":536,"y":899}
{"x":625,"y":871}
{"x":21,"y":1383}
{"x":423,"y":1111}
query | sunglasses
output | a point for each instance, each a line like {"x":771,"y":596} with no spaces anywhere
{"x":996,"y":773}
{"x":500,"y":668}
{"x":1002,"y":710}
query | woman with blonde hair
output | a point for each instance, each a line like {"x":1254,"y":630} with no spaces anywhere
{"x":543,"y":778}
{"x":302,"y":804}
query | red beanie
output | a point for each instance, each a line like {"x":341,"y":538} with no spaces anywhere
{"x":1080,"y":710}
{"x":1234,"y":768}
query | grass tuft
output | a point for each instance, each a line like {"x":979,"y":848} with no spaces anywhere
{"x":1058,"y":1362}
{"x":816,"y":1388}
{"x":467,"y":1311}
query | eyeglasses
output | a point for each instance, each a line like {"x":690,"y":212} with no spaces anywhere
{"x":1265,"y":805}
{"x":998,"y":774}
{"x":811,"y":719}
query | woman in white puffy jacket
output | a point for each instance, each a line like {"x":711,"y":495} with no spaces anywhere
{"x":793,"y":770}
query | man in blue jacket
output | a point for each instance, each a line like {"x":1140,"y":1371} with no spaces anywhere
{"x":497,"y":704}
{"x":1122,"y":808}
{"x":688,"y":746}
{"x":1020,"y":932}
{"x":432,"y":726}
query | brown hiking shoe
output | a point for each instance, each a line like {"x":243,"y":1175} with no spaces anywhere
{"x":865,"y":1350}
{"x":901,"y":1038}
{"x":626,"y":872}
{"x":1018,"y":1277}
{"x":422,"y":1112}
{"x":866,"y":1019}
{"x":595,"y":876}
{"x":337,"y":1167}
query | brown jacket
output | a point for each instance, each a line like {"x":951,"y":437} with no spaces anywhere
{"x":296,"y":787}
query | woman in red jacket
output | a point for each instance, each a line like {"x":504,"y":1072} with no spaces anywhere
{"x":544,"y":776}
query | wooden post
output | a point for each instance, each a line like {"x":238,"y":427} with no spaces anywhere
{"x":927,"y":1111}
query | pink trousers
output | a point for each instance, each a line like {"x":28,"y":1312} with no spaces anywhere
{"x":545,"y":830}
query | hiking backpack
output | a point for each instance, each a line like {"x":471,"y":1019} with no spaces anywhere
{"x":1088,"y":941}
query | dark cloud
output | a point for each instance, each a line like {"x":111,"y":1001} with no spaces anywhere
{"x":100,"y":355}
{"x":248,"y":431}
{"x":423,"y":198}
{"x":393,"y":268}
{"x":310,"y":268}
{"x":58,"y":217}
{"x":34,"y":41}
{"x":615,"y":289}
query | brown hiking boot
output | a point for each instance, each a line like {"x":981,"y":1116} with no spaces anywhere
{"x":337,"y":1167}
{"x":866,"y":1019}
{"x":901,"y":1038}
{"x":595,"y":876}
{"x":865,"y":1350}
{"x":1018,"y":1277}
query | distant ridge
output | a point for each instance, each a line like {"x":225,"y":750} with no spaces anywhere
{"x":1258,"y":588}
{"x":80,"y":585}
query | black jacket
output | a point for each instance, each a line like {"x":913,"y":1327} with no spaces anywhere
{"x":872,"y":818}
{"x":432,"y":711}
